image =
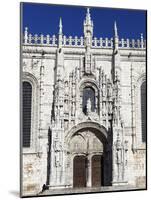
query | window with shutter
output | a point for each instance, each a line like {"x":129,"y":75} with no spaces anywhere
{"x":27,"y":101}
{"x":143,"y":111}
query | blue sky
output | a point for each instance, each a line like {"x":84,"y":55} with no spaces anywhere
{"x":44,"y":19}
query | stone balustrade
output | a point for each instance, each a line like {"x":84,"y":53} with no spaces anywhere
{"x":79,"y":42}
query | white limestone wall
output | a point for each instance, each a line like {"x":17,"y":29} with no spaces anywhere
{"x":136,"y":160}
{"x":105,"y":65}
{"x":35,"y":162}
{"x":70,"y":63}
{"x":30,"y":179}
{"x":35,"y":159}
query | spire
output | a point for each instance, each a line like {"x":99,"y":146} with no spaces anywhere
{"x":88,"y":28}
{"x":60,"y":26}
{"x":60,"y":39}
{"x":88,"y":20}
{"x":88,"y":16}
{"x":116,"y":38}
{"x":115,"y":30}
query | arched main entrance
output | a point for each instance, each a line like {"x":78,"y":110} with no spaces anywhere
{"x":87,"y":147}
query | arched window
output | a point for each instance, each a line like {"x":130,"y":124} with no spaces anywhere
{"x":143,"y":110}
{"x":27,"y":103}
{"x":88,"y":94}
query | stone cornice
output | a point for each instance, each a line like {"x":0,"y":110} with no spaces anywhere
{"x":130,"y":53}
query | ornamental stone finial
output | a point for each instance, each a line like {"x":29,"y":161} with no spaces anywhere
{"x":60,"y":35}
{"x":26,"y":29}
{"x":26,"y":35}
{"x":60,"y":26}
{"x":88,"y":10}
{"x":115,"y":30}
{"x":88,"y":29}
{"x":116,"y":39}
{"x":88,"y":16}
{"x":142,"y":40}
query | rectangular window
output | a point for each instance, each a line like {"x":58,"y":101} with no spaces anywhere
{"x":143,"y":110}
{"x":27,"y":97}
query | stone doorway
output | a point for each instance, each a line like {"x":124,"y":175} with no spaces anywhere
{"x":79,"y":171}
{"x":87,"y":147}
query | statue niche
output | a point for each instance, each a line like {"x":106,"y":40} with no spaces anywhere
{"x":88,"y":101}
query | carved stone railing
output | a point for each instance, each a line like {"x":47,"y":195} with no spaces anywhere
{"x":70,"y":41}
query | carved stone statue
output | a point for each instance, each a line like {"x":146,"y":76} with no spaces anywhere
{"x":118,"y":156}
{"x":57,"y":145}
{"x":109,"y":91}
{"x":66,"y":88}
{"x":66,"y":108}
{"x":73,"y":109}
{"x":103,"y":90}
{"x":118,"y":150}
{"x":57,"y":149}
{"x":110,"y":108}
{"x":89,"y":106}
{"x":88,"y":40}
{"x":103,"y":108}
{"x":57,"y":159}
{"x":103,"y":77}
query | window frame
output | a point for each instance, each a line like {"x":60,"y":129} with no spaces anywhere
{"x":31,"y":91}
{"x":138,"y":117}
{"x":27,"y":77}
{"x":143,"y":82}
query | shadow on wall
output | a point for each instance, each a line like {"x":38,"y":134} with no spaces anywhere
{"x":14,"y":193}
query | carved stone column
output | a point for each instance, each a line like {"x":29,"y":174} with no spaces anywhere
{"x":134,"y":143}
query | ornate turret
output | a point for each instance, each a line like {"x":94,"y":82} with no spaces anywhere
{"x":59,"y":80}
{"x":88,"y":30}
{"x":119,"y":166}
{"x":88,"y":34}
{"x":57,"y":154}
{"x":60,"y":55}
{"x":116,"y":54}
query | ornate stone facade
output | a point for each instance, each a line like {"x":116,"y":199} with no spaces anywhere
{"x":86,"y":102}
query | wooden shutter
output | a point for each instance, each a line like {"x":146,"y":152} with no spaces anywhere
{"x":27,"y":97}
{"x":143,"y":110}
